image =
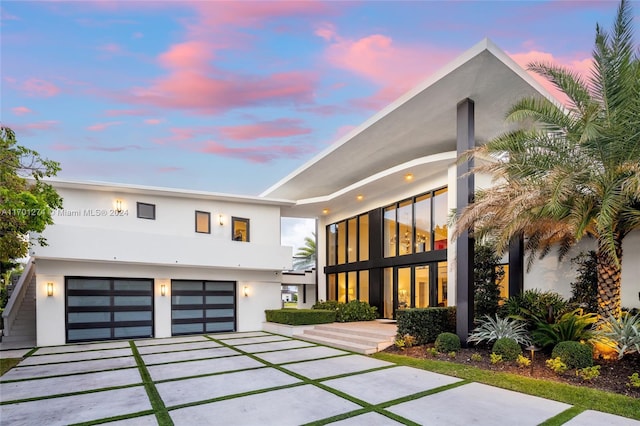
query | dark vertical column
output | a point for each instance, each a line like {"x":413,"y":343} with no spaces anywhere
{"x":376,"y":282}
{"x":464,"y":248}
{"x":516,"y":266}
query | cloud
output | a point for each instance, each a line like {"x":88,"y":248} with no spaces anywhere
{"x":119,"y":112}
{"x":255,"y":154}
{"x":21,"y":110}
{"x":581,"y":66}
{"x":99,"y":127}
{"x":39,"y":88}
{"x":60,"y":146}
{"x":28,"y":128}
{"x":113,"y":48}
{"x":280,"y":128}
{"x":6,"y":16}
{"x":393,"y":66}
{"x":153,"y":121}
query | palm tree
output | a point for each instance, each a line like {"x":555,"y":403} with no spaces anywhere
{"x":305,"y":258}
{"x":570,"y":171}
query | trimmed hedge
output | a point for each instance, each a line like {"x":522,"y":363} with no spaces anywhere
{"x":447,"y":342}
{"x":425,"y":324}
{"x":508,"y":348}
{"x":355,"y":310}
{"x":300,"y":316}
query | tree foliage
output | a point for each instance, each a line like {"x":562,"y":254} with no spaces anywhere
{"x":26,"y":201}
{"x":305,"y":258}
{"x":571,"y":171}
{"x":487,"y":274}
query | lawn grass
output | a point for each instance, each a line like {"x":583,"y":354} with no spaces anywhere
{"x":7,"y":364}
{"x":580,"y":397}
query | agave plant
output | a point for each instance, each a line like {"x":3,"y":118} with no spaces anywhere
{"x":623,"y":335}
{"x":494,"y":328}
{"x":572,"y":326}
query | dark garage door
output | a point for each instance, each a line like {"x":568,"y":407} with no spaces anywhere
{"x":202,"y":307}
{"x":108,"y":308}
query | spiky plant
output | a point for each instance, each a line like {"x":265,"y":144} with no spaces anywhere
{"x":622,"y":334}
{"x":571,"y":171}
{"x":491,"y":329}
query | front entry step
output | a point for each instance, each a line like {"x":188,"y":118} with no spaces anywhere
{"x":366,"y":337}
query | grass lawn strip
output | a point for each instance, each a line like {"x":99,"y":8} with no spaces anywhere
{"x":159,"y":409}
{"x":563,"y":417}
{"x":582,"y":398}
{"x":7,"y":364}
{"x":64,"y":375}
{"x":60,"y":395}
{"x":115,"y":418}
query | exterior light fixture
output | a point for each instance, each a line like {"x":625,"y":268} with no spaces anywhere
{"x":325,"y":211}
{"x":49,"y":289}
{"x":360,"y":197}
{"x":163,"y":289}
{"x":221,"y":219}
{"x":119,"y":206}
{"x":408,"y":177}
{"x":533,"y":349}
{"x":245,"y":291}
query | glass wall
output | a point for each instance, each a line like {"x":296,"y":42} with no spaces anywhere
{"x":440,"y":219}
{"x":421,"y":281}
{"x":390,"y":231}
{"x":363,"y":237}
{"x":363,"y":286}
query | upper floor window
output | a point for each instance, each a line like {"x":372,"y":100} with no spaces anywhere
{"x":348,"y":240}
{"x":240,"y":229}
{"x":146,"y":211}
{"x":203,"y":222}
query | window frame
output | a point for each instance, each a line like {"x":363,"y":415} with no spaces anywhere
{"x":208,"y":214}
{"x":138,"y":213}
{"x":236,"y":220}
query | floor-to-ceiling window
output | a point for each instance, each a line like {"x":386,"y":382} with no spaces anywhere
{"x":394,"y":257}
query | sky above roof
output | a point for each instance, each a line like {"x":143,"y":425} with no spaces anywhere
{"x":231,"y":96}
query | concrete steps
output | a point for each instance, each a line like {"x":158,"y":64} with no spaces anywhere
{"x":23,"y":330}
{"x":365,"y":338}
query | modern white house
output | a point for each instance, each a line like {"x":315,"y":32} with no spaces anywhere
{"x":130,"y":261}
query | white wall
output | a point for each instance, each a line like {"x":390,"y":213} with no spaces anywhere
{"x":263,"y":292}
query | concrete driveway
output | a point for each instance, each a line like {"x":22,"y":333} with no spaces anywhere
{"x":251,"y":379}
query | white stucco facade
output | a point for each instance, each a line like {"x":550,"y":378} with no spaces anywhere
{"x":89,"y":239}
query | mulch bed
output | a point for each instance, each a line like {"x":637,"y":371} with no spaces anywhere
{"x":614,"y":374}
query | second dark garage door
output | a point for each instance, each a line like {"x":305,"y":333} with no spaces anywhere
{"x":202,"y":307}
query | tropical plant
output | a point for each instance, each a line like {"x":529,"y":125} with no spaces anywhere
{"x":584,"y":290}
{"x":491,"y":329}
{"x":570,"y":171}
{"x":588,"y":373}
{"x":556,"y":365}
{"x":572,"y":326}
{"x":622,"y":334}
{"x":534,"y":305}
{"x":305,"y":258}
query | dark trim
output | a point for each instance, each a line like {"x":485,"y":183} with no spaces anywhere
{"x":208,"y":231}
{"x":235,"y":220}
{"x":465,"y":130}
{"x":140,"y":216}
{"x":516,"y":266}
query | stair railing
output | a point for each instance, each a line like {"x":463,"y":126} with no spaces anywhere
{"x":17,"y":296}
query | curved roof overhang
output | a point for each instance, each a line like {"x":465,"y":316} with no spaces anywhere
{"x":416,"y":133}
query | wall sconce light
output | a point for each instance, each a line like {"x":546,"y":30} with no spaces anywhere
{"x":163,"y":289}
{"x":360,"y":197}
{"x":325,"y":211}
{"x":49,"y":289}
{"x":408,"y":177}
{"x":221,"y":219}
{"x":245,"y":291}
{"x":119,"y":206}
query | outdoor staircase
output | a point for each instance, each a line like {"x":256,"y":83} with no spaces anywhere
{"x":365,"y":338}
{"x":22,"y":332}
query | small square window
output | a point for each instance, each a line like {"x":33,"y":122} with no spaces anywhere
{"x":146,"y":211}
{"x":203,"y":222}
{"x":240,"y":229}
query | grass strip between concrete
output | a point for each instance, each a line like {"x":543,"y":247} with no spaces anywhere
{"x":581,"y":398}
{"x":162,"y":415}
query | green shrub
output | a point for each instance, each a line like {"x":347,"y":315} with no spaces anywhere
{"x":426,"y":323}
{"x":634,"y":381}
{"x":300,"y":316}
{"x":447,"y":342}
{"x":508,"y":348}
{"x":574,"y":354}
{"x":476,"y":357}
{"x":349,"y":312}
{"x":534,"y":306}
{"x":495,"y":358}
{"x":523,"y":361}
{"x":584,"y":290}
{"x":588,"y":373}
{"x":487,"y":273}
{"x":572,"y":326}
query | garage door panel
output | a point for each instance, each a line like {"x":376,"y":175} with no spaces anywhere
{"x":122,"y":308}
{"x":197,"y":304}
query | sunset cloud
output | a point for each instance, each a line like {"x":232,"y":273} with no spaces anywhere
{"x":39,"y":88}
{"x":255,"y":154}
{"x":153,"y":121}
{"x":21,"y":110}
{"x":99,"y":127}
{"x":281,"y":128}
